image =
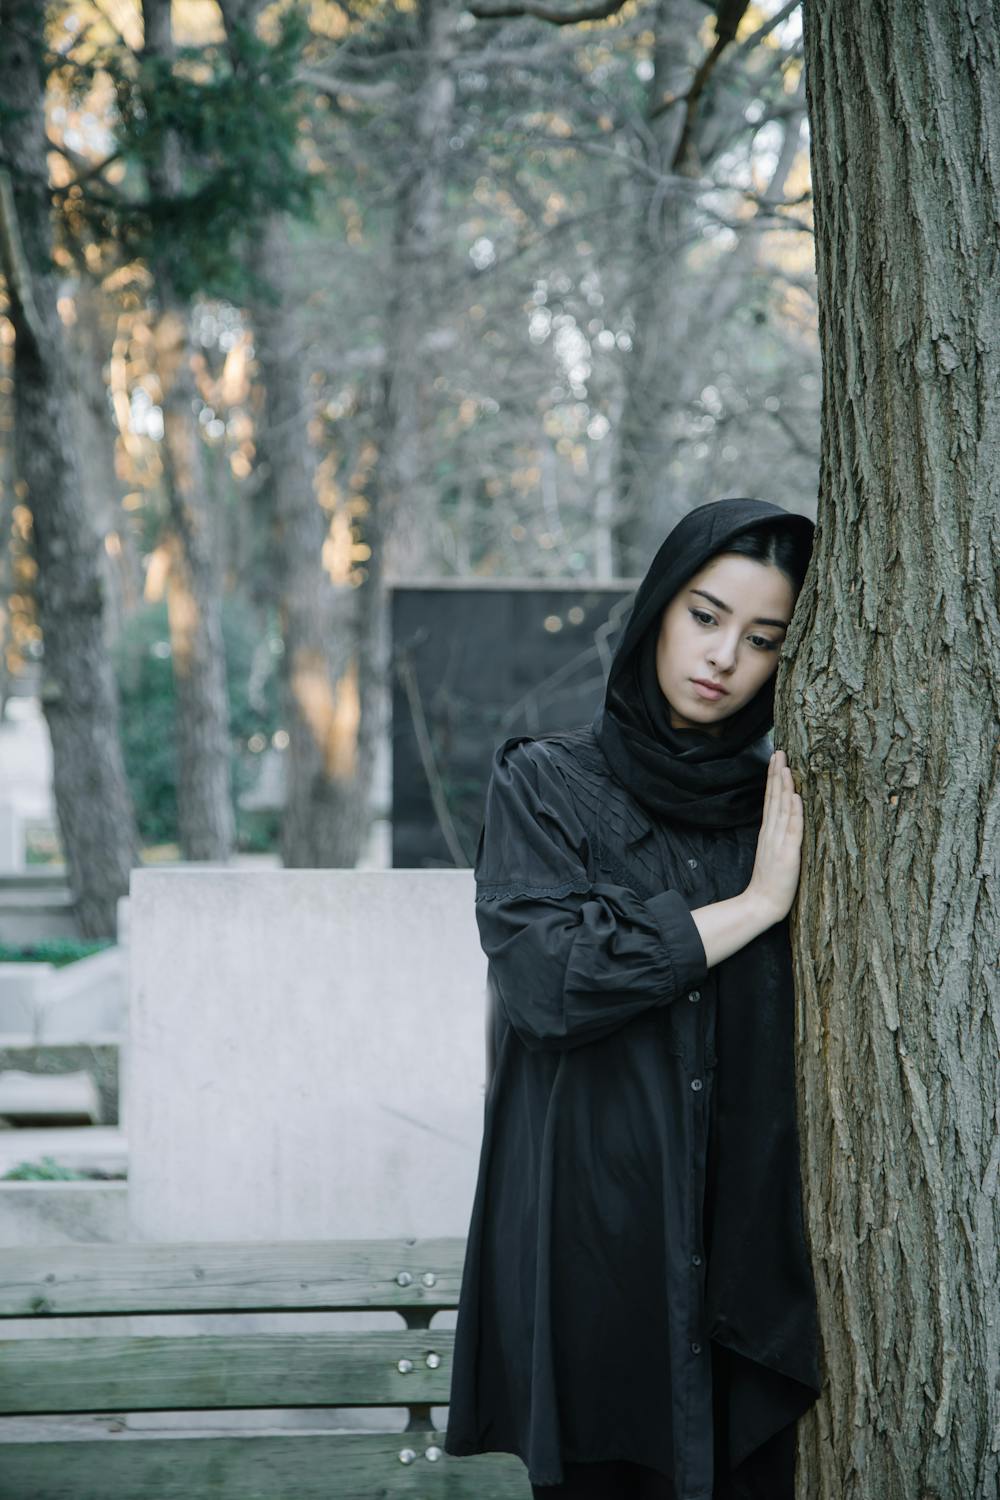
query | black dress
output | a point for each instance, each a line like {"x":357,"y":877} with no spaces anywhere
{"x":636,"y":1231}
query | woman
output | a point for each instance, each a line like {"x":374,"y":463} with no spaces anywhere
{"x":637,"y":1313}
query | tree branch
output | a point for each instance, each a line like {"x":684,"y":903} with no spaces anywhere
{"x":727,"y":20}
{"x":756,"y":37}
{"x":367,"y":93}
{"x":599,"y":10}
{"x":86,"y":171}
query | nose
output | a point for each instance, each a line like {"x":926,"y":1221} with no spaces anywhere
{"x":722,"y":653}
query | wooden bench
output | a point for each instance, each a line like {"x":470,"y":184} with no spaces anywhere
{"x":44,"y":1379}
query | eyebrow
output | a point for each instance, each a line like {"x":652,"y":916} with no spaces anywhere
{"x":760,"y":620}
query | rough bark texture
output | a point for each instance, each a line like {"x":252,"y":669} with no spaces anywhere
{"x":93,"y":804}
{"x":325,"y":816}
{"x":194,"y":594}
{"x":891,"y":717}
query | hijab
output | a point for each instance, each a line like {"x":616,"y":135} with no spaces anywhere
{"x":690,"y":776}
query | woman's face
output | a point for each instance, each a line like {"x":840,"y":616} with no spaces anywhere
{"x":726,"y":625}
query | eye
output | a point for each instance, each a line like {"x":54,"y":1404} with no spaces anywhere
{"x":759,"y":642}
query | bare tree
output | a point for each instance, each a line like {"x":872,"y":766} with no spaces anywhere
{"x":673,"y":325}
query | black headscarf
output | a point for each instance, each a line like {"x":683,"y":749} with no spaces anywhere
{"x":690,"y":776}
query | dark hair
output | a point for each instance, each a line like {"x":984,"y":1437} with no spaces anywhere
{"x":774,"y":542}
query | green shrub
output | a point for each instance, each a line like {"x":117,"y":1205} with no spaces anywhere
{"x":46,"y":1169}
{"x":58,"y":951}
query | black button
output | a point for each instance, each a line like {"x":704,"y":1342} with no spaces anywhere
{"x":696,"y":1260}
{"x":695,"y":1348}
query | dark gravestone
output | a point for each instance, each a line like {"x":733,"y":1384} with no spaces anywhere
{"x":473,"y":664}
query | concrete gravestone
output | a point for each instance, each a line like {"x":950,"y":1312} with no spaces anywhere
{"x":306,"y":1053}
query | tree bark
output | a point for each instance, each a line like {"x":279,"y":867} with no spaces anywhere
{"x":890,"y":713}
{"x":93,"y":804}
{"x":194,"y":592}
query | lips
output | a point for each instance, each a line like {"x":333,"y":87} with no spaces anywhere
{"x":708,"y":690}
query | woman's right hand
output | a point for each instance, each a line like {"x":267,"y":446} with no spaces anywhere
{"x":776,"y":868}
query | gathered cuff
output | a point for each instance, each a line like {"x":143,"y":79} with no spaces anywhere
{"x":681,"y":938}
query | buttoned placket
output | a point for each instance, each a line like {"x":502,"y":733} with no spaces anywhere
{"x":696,"y":1454}
{"x":699,"y":1444}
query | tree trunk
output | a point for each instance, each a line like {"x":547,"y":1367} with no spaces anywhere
{"x":399,"y":521}
{"x":891,"y":716}
{"x":326,"y":808}
{"x":194,"y":593}
{"x":645,"y":507}
{"x":674,"y":329}
{"x":326,"y":814}
{"x":93,"y":805}
{"x":88,"y":348}
{"x":418,"y":294}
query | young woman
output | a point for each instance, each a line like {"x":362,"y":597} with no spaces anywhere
{"x":637,"y":1313}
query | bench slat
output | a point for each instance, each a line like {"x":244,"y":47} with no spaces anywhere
{"x":336,"y":1466}
{"x":335,"y":1275}
{"x":219,"y":1371}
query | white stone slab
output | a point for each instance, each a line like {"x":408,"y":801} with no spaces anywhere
{"x":101,"y":1148}
{"x":83,"y":1000}
{"x":72,"y":1097}
{"x":11,"y":838}
{"x":57,"y":1213}
{"x":306,"y":1053}
{"x":26,"y":759}
{"x":20,"y":986}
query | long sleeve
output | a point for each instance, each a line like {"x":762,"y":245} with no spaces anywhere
{"x":571,"y":959}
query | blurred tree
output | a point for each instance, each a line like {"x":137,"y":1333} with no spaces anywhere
{"x":399,"y":520}
{"x":688,"y":121}
{"x":148,"y":694}
{"x":204,"y":793}
{"x":402,"y":500}
{"x":94,"y":810}
{"x":532,"y":362}
{"x":890,"y":711}
{"x":448,"y":358}
{"x":328,"y":769}
{"x":89,"y":334}
{"x":207,"y":156}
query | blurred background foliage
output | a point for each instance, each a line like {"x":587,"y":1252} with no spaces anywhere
{"x":353,"y":291}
